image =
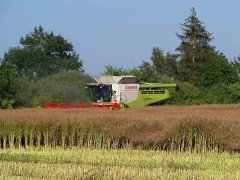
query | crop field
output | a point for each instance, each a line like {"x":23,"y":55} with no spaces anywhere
{"x":167,"y":142}
{"x":116,"y":164}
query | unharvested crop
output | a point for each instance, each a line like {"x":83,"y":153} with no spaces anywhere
{"x":184,"y":128}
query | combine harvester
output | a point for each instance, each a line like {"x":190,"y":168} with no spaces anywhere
{"x":115,"y":92}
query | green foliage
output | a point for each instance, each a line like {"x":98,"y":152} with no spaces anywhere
{"x":223,"y":94}
{"x":195,"y":39}
{"x":194,"y":48}
{"x":42,"y":99}
{"x":70,"y":84}
{"x":115,"y":71}
{"x":25,"y":93}
{"x":7,"y":103}
{"x":8,"y":86}
{"x":158,"y":61}
{"x":163,"y":65}
{"x":171,"y":65}
{"x":161,"y":68}
{"x":236,"y":64}
{"x":43,"y":54}
{"x":60,"y":87}
{"x":235,"y":90}
{"x":187,"y":93}
{"x":146,"y":72}
{"x":217,"y":70}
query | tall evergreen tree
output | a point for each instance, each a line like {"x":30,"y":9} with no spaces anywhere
{"x":195,"y":45}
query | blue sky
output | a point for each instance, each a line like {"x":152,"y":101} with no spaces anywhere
{"x":120,"y":33}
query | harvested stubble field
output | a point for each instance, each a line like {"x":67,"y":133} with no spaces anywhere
{"x":181,"y":141}
{"x":116,"y":164}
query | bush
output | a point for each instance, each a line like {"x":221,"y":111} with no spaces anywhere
{"x":8,"y":86}
{"x":220,"y":94}
{"x":235,"y":89}
{"x":41,"y":100}
{"x":6,"y":103}
{"x":187,"y":94}
{"x":217,"y":71}
{"x":60,"y":87}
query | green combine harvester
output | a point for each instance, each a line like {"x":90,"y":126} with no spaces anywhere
{"x":125,"y":91}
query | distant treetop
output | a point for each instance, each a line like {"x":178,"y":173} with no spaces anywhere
{"x":43,"y":54}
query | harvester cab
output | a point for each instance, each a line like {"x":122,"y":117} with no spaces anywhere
{"x":125,"y":91}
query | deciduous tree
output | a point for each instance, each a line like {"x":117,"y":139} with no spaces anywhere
{"x":8,"y":86}
{"x":236,"y":64}
{"x":42,"y":54}
{"x":217,"y":71}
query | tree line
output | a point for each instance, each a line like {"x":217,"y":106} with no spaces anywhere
{"x":45,"y":67}
{"x":203,"y":74}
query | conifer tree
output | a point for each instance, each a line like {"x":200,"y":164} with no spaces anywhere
{"x":195,"y":47}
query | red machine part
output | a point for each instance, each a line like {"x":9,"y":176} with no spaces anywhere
{"x":50,"y":105}
{"x":116,"y":106}
{"x":62,"y":105}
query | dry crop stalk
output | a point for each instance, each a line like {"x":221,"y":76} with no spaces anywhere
{"x":72,"y":134}
{"x":4,"y":141}
{"x":31,"y":136}
{"x":19,"y":137}
{"x":38,"y":138}
{"x":63,"y":135}
{"x":89,"y":138}
{"x":81,"y":137}
{"x":46,"y":137}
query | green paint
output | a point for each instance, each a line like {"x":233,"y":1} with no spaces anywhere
{"x":151,"y":93}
